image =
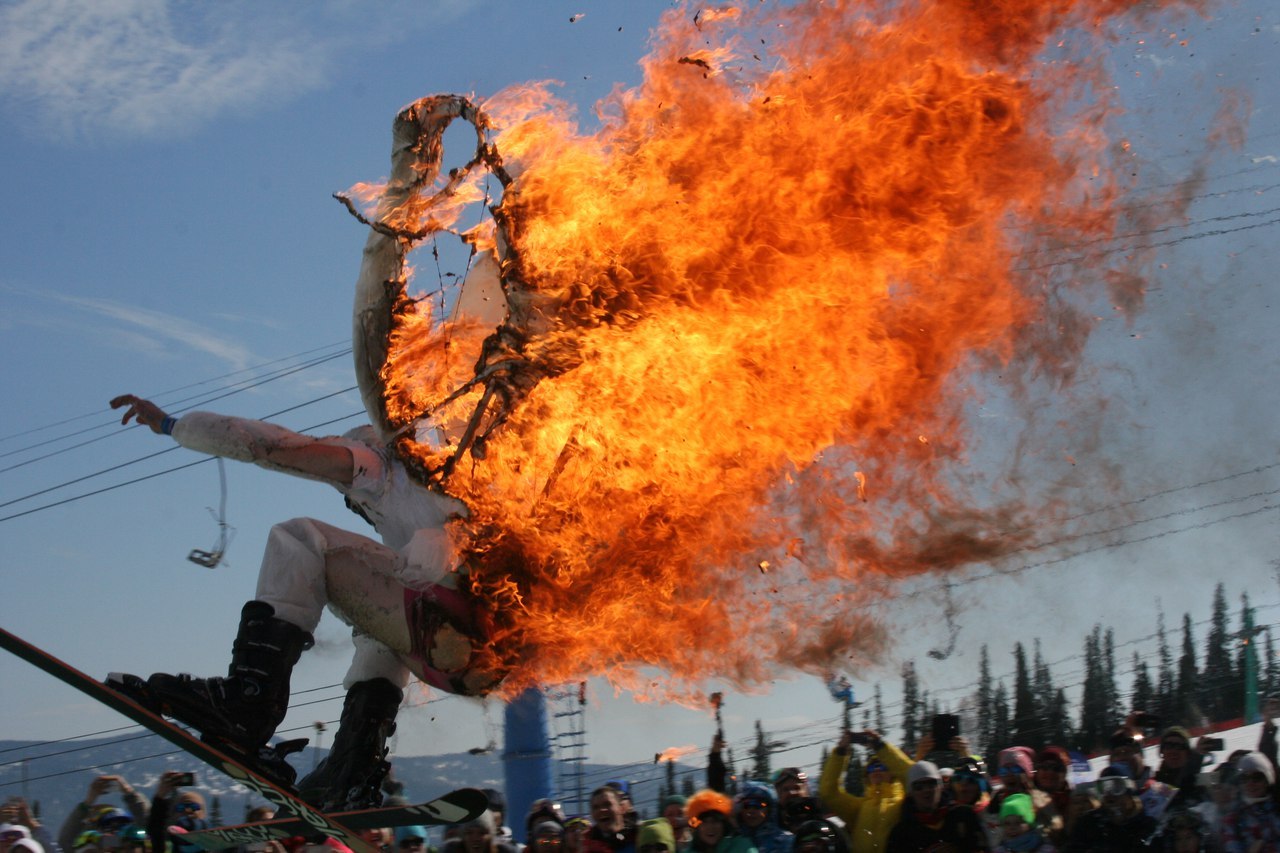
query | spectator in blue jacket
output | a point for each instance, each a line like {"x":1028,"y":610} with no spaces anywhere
{"x":755,"y":810}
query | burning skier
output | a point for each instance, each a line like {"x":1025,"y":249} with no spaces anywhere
{"x":406,"y":592}
{"x":714,"y":364}
{"x":407,"y":597}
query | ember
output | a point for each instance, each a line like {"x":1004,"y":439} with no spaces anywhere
{"x":740,"y":324}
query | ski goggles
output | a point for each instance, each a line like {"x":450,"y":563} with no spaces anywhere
{"x":754,"y":803}
{"x":12,"y":835}
{"x":789,"y":774}
{"x":1012,"y":770}
{"x":1112,"y":786}
{"x":186,"y":806}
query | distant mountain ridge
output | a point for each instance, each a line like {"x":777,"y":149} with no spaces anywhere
{"x":57,"y":775}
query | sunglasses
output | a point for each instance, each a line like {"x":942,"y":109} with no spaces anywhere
{"x":548,"y":842}
{"x":412,"y":842}
{"x":1253,"y":777}
{"x":1012,"y":770}
{"x":924,"y":784}
{"x":1176,"y":745}
{"x":186,"y":806}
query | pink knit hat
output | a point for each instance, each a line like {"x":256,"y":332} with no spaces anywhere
{"x":1019,"y":755}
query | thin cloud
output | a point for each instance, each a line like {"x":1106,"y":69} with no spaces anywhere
{"x":155,"y":328}
{"x":140,"y":67}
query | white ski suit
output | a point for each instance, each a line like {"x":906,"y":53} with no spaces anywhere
{"x":401,"y":596}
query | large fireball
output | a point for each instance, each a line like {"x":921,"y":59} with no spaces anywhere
{"x":723,"y":393}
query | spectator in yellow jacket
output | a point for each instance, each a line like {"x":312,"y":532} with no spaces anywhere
{"x":868,"y":818}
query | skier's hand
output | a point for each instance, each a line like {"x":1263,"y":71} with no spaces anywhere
{"x":145,"y":412}
{"x":960,"y":745}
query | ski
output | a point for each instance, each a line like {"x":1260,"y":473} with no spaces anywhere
{"x":225,"y":762}
{"x":460,"y":806}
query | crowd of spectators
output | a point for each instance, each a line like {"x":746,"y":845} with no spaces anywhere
{"x":944,"y":800}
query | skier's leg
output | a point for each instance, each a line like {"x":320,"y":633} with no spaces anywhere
{"x":246,"y":707}
{"x":429,"y":626}
{"x":362,"y":582}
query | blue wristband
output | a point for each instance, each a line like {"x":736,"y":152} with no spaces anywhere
{"x":166,"y":425}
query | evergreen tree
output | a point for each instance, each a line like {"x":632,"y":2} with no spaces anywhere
{"x":1143,"y":695}
{"x":731,"y":773}
{"x":1186,"y":709}
{"x":669,"y":785}
{"x":1115,"y":712}
{"x":686,"y":786}
{"x":1058,"y":720}
{"x":760,"y":755}
{"x":985,"y":701}
{"x":1165,"y":684}
{"x":215,"y":811}
{"x":1095,"y":716}
{"x":1001,"y":731}
{"x":1270,"y":669}
{"x":856,"y":773}
{"x":1236,"y":688}
{"x":1216,"y":676}
{"x":1046,"y":701}
{"x":910,"y":707}
{"x":1026,"y":716}
{"x":879,"y":708}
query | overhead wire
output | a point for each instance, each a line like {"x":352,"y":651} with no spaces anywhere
{"x":257,"y":383}
{"x":162,"y":394}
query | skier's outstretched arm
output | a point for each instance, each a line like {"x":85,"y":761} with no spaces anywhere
{"x":268,"y":445}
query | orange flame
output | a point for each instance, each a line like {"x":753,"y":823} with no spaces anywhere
{"x":674,"y":753}
{"x":755,"y":305}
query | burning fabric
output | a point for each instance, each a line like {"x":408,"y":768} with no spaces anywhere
{"x":707,"y":376}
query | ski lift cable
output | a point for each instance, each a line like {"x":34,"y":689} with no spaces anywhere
{"x":98,"y":412}
{"x":121,"y":430}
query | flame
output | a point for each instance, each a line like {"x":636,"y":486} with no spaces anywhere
{"x":674,"y":753}
{"x":745,"y":318}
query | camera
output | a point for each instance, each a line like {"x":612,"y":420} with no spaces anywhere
{"x":860,"y":738}
{"x":945,"y":728}
{"x":1146,"y":721}
{"x":1212,"y":744}
{"x":184,"y":780}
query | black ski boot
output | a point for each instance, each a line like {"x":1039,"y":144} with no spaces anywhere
{"x":243,"y":709}
{"x":351,"y":776}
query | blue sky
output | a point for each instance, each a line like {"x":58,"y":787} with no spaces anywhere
{"x":169,"y":231}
